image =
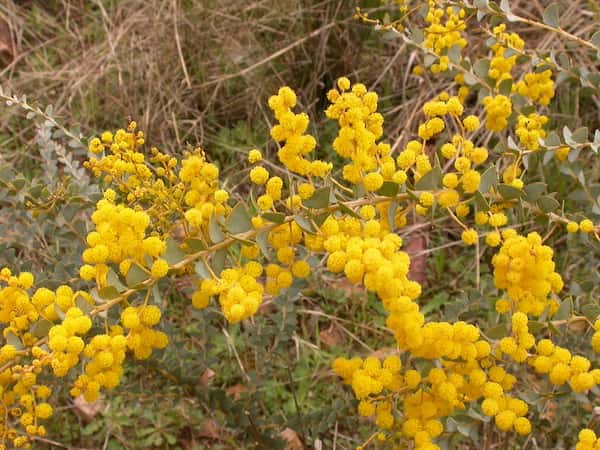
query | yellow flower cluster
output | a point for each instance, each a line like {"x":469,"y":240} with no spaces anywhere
{"x":368,"y":379}
{"x":240,"y":294}
{"x":361,"y":126}
{"x":120,"y":238}
{"x":529,"y":130}
{"x":537,"y":86}
{"x":501,"y":65}
{"x":23,"y":316}
{"x":291,"y":131}
{"x":524,"y":268}
{"x":444,"y":31}
{"x":587,"y":440}
{"x":142,"y":338}
{"x":378,"y":264}
{"x":120,"y":162}
{"x":563,"y":367}
{"x":105,"y":354}
{"x":596,"y":336}
{"x":24,"y":403}
{"x":517,"y":345}
{"x":498,"y":109}
{"x":411,"y":158}
{"x":65,"y":342}
{"x":584,"y":226}
{"x":203,"y":197}
{"x":508,"y":412}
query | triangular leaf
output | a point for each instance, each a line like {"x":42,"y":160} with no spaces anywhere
{"x":239,"y":220}
{"x":173,"y":254}
{"x":134,"y":277}
{"x":430,"y":181}
{"x":548,"y":204}
{"x":319,"y":199}
{"x":41,"y":328}
{"x":214,"y":231}
{"x":551,"y":15}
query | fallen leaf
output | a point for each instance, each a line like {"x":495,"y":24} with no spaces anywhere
{"x":384,"y":352}
{"x":86,"y":410}
{"x":549,"y":411}
{"x":236,"y":391}
{"x":418,"y":262}
{"x":209,"y":428}
{"x":332,"y":336}
{"x":293,"y":442}
{"x":349,"y":289}
{"x":6,"y":42}
{"x":577,"y":326}
{"x":205,"y":378}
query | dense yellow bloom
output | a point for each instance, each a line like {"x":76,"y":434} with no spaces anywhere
{"x":529,"y":130}
{"x":497,"y":109}
{"x":524,"y":268}
{"x":538,"y":86}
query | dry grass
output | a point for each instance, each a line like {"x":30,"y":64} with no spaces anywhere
{"x":180,"y":68}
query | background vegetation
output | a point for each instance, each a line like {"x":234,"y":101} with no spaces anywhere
{"x":198,"y":73}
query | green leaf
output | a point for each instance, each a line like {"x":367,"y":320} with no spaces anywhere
{"x":86,"y":306}
{"x":509,"y":192}
{"x":59,"y":312}
{"x":346,"y":210}
{"x":580,"y":135}
{"x":497,"y":332}
{"x":6,"y":174}
{"x":389,"y":189}
{"x":218,"y":260}
{"x":320,"y":218}
{"x":113,"y":280}
{"x":435,"y":303}
{"x":431,"y":180}
{"x":454,"y":53}
{"x":239,"y":220}
{"x":534,"y":190}
{"x":14,"y":340}
{"x":564,"y":310}
{"x":591,"y":311}
{"x":481,"y":67}
{"x":194,"y":245}
{"x":505,"y":86}
{"x":489,"y":178}
{"x":481,"y":4}
{"x":551,"y":15}
{"x":41,"y":328}
{"x":262,"y":241}
{"x":173,"y":254}
{"x":215,"y":233}
{"x":505,"y":7}
{"x":567,"y":135}
{"x":134,"y":277}
{"x":107,"y":292}
{"x":512,"y":145}
{"x":202,"y":270}
{"x":548,"y":204}
{"x":535,"y":327}
{"x":552,"y":140}
{"x":319,"y":199}
{"x":391,"y":214}
{"x":481,"y":202}
{"x":416,"y":35}
{"x":305,"y":223}
{"x":274,"y":217}
{"x":595,"y":39}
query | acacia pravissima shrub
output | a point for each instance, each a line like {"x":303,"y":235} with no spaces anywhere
{"x":471,"y":158}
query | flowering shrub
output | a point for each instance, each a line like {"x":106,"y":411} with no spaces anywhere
{"x":472,"y":159}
